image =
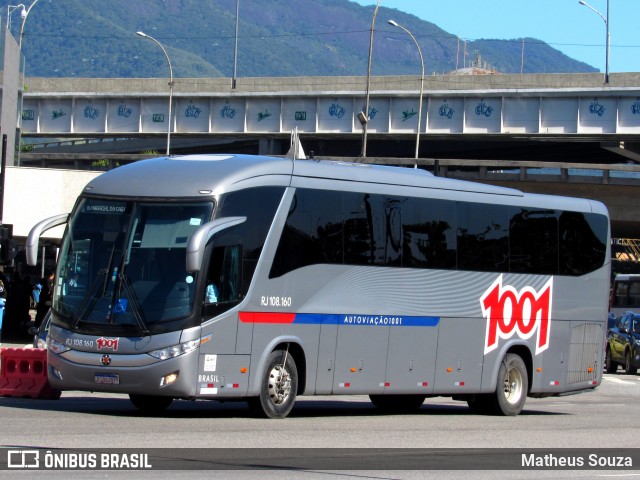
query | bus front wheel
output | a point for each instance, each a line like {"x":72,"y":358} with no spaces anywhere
{"x":278,"y":388}
{"x":150,"y":403}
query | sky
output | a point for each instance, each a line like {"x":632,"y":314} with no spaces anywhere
{"x":574,"y":29}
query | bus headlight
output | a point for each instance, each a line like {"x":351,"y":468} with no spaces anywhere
{"x":57,"y":347}
{"x":175,"y":350}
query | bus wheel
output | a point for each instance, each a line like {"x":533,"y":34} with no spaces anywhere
{"x":150,"y":403}
{"x":397,"y":403}
{"x":512,"y":386}
{"x":279,"y":387}
{"x":611,"y":365}
{"x":629,"y":369}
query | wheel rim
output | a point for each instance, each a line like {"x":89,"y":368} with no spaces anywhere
{"x":513,"y":385}
{"x":279,"y":385}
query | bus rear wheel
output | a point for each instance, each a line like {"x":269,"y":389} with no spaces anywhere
{"x":278,"y":388}
{"x":150,"y":403}
{"x":512,"y":386}
{"x":398,"y":403}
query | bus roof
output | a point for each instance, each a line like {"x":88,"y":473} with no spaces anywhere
{"x":625,"y":277}
{"x":192,"y":175}
{"x":200,"y":176}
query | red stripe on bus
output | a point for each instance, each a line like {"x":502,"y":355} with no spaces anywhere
{"x":266,"y":317}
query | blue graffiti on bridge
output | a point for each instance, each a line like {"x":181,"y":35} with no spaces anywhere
{"x":596,"y":109}
{"x":91,"y":113}
{"x":28,"y":115}
{"x":406,"y":115}
{"x":227,"y":112}
{"x":192,"y":111}
{"x":57,"y":114}
{"x":635,"y":108}
{"x":263,"y":115}
{"x":336,"y":110}
{"x":123,"y":111}
{"x":446,"y":111}
{"x":484,"y":109}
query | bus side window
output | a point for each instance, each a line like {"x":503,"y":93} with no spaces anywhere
{"x":634,"y":294}
{"x":223,"y":275}
{"x":620,"y":294}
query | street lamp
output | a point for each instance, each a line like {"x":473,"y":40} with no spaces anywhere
{"x":396,"y":24}
{"x":608,"y":39}
{"x":24,"y":13}
{"x":363,"y":117}
{"x":144,"y":35}
{"x":235,"y":49}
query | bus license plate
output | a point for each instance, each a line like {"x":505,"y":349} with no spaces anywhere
{"x":107,"y":378}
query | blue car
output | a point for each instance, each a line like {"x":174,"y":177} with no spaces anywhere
{"x":623,"y":344}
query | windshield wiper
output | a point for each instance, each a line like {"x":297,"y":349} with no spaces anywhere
{"x":135,"y":303}
{"x":89,"y":300}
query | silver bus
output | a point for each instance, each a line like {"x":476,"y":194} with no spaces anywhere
{"x":237,"y":277}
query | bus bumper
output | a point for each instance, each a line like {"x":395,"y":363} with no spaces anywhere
{"x":138,"y":374}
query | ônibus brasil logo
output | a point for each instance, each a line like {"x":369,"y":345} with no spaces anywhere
{"x":523,"y":312}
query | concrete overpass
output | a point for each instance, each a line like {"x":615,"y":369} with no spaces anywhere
{"x":479,"y":116}
{"x":501,"y":129}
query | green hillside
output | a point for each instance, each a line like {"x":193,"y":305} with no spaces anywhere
{"x":97,"y":38}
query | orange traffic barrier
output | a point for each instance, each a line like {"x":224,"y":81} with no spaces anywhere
{"x":23,"y":373}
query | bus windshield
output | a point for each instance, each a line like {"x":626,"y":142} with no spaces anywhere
{"x":123,"y":263}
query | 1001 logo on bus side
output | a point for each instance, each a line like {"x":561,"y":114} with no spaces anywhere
{"x":510,"y":312}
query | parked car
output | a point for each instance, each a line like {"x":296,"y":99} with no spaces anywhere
{"x":40,"y":333}
{"x":623,"y":344}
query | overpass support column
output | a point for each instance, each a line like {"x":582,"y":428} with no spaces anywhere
{"x":270,"y":146}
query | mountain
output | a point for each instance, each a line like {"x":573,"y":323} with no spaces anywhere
{"x":97,"y":38}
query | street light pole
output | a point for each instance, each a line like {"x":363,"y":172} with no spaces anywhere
{"x":364,"y":116}
{"x":23,"y":14}
{"x":608,"y":37}
{"x":235,"y":49}
{"x":396,"y":24}
{"x":144,"y":35}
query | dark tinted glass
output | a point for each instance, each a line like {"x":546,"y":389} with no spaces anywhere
{"x":533,"y":242}
{"x":582,"y":242}
{"x":483,"y":241}
{"x":369,"y":229}
{"x":428,"y":234}
{"x":259,"y":206}
{"x":312,"y":233}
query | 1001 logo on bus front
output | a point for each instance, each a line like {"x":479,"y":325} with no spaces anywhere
{"x":511,"y":312}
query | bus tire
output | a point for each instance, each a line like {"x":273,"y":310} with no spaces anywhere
{"x":397,"y":403}
{"x":629,"y":369}
{"x":150,"y":403}
{"x":611,"y":366}
{"x":512,"y":386}
{"x":278,"y":387}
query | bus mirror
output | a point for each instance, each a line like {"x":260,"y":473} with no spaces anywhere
{"x":200,"y":238}
{"x":36,"y":231}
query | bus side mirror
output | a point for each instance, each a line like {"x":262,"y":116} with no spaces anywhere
{"x":200,"y":238}
{"x":35,"y":233}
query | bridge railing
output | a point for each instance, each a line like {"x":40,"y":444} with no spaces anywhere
{"x":515,"y":170}
{"x":479,"y":170}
